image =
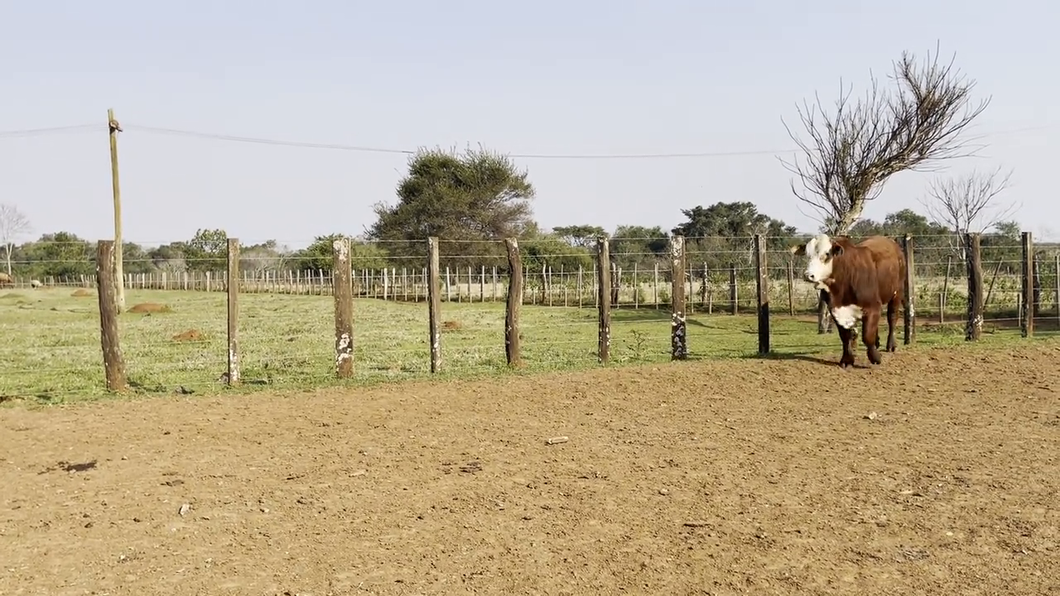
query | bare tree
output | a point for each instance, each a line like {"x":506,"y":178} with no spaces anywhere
{"x":969,"y":203}
{"x":851,"y":154}
{"x":13,"y":223}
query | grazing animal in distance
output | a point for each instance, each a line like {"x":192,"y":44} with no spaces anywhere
{"x":35,"y":283}
{"x":860,"y":279}
{"x":5,"y":280}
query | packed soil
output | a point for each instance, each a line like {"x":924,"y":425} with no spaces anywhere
{"x":936,"y":473}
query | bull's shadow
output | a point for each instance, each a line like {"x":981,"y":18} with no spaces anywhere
{"x":808,"y":357}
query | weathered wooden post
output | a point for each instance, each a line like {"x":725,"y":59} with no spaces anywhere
{"x":762,"y":269}
{"x":734,"y":292}
{"x":113,"y":360}
{"x":515,"y":295}
{"x":909,"y":308}
{"x":791,"y":287}
{"x":603,"y":271}
{"x":233,"y":311}
{"x":1056,"y":295}
{"x":1027,"y":307}
{"x":434,"y":303}
{"x":343,"y":294}
{"x":974,"y":328}
{"x":678,"y":324}
{"x":944,"y":300}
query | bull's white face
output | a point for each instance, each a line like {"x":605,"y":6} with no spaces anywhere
{"x":819,"y":253}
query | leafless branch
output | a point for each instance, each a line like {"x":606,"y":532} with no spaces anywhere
{"x":969,"y":203}
{"x":849,"y":156}
{"x":13,"y":223}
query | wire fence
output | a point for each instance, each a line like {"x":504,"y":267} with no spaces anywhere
{"x":174,"y":331}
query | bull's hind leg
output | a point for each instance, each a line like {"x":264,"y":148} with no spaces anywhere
{"x":870,"y":331}
{"x":892,"y":322}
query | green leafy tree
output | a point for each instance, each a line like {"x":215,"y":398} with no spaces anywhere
{"x":552,"y":251}
{"x":639,"y":245}
{"x":1010,"y":231}
{"x":62,"y":254}
{"x":721,"y":234}
{"x":168,"y":257}
{"x":135,"y":259}
{"x":583,"y":236}
{"x":461,"y":199}
{"x":207,"y":251}
{"x":320,"y":254}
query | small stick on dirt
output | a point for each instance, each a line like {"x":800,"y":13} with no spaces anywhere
{"x":696,"y":524}
{"x":557,"y":440}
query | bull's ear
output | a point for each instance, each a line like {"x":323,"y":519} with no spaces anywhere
{"x":836,"y":250}
{"x":798,"y":250}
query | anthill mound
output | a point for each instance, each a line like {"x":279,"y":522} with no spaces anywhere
{"x":82,"y":293}
{"x":189,"y":335}
{"x":452,"y":325}
{"x":149,"y":307}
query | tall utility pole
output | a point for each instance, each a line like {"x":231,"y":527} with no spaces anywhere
{"x":119,"y":270}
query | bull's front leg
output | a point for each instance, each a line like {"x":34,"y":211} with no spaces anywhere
{"x":870,"y":331}
{"x":847,"y":336}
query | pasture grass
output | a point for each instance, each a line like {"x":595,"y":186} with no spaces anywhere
{"x":52,"y":353}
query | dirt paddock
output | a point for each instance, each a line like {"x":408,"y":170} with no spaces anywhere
{"x":935,"y":474}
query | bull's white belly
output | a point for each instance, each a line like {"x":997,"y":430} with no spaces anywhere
{"x":847,"y":316}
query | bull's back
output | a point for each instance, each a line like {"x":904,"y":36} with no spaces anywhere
{"x":890,"y":265}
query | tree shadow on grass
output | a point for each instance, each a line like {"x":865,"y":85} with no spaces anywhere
{"x":646,"y":315}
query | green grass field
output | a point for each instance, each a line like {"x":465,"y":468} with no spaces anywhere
{"x":51,"y":351}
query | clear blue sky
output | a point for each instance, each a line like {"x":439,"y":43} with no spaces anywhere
{"x":584,"y":77}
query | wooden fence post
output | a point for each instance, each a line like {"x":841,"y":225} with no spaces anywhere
{"x":434,"y":303}
{"x":974,"y":328}
{"x":945,"y":300}
{"x":678,"y":324}
{"x":1027,"y":323}
{"x":909,"y":308}
{"x":734,"y":292}
{"x":655,"y":286}
{"x":1056,"y":296}
{"x":603,"y":271}
{"x":762,"y":268}
{"x":791,"y":287}
{"x":1036,"y":285}
{"x":343,"y":293}
{"x":990,"y":290}
{"x":515,"y":294}
{"x":113,"y":361}
{"x":233,"y":312}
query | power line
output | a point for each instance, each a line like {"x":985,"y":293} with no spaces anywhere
{"x":31,"y":132}
{"x":369,"y":149}
{"x":342,"y":147}
{"x":262,"y":141}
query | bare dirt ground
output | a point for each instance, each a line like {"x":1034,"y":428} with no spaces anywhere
{"x":935,"y":474}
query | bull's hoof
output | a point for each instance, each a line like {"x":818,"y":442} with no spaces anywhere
{"x":846,"y":360}
{"x":892,"y":346}
{"x":874,"y":356}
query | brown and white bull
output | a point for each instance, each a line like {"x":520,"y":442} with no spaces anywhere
{"x":859,"y":279}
